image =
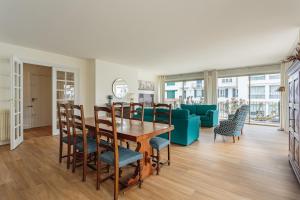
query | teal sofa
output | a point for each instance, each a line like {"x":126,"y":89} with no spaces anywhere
{"x":186,"y":126}
{"x":209,"y":114}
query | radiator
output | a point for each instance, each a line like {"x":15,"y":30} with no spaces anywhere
{"x":4,"y":125}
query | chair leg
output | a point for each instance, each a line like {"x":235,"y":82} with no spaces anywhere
{"x":238,"y":137}
{"x":60,"y":150}
{"x":127,"y":144}
{"x":98,"y":164}
{"x":215,"y":136}
{"x":140,"y":173}
{"x":74,"y":159}
{"x":158,"y":162}
{"x":169,"y":155}
{"x":242,"y":130}
{"x":69,"y":156}
{"x":84,"y":167}
{"x":233,"y":139}
{"x":116,"y":184}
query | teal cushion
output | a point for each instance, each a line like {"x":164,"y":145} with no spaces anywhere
{"x":202,"y":109}
{"x":126,"y":156}
{"x":204,"y":118}
{"x":91,"y":144}
{"x":191,"y":108}
{"x":78,"y":139}
{"x":159,"y":143}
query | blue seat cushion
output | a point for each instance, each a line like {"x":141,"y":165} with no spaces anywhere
{"x":159,"y":143}
{"x":126,"y":156}
{"x":78,"y":139}
{"x":91,"y":144}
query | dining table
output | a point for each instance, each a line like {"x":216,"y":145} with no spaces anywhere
{"x":138,"y":132}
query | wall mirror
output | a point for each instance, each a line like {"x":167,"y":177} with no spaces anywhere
{"x":120,"y":88}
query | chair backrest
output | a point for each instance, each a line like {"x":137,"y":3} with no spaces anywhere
{"x":78,"y":123}
{"x":162,"y":113}
{"x":109,"y":132}
{"x":240,"y":116}
{"x":119,"y":109}
{"x":137,"y":111}
{"x":64,"y":118}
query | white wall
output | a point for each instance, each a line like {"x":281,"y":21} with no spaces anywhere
{"x":106,"y":73}
{"x":84,"y":67}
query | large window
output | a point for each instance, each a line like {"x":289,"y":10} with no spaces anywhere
{"x":190,"y":92}
{"x":258,"y":91}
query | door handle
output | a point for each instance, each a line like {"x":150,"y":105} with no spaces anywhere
{"x":29,"y":106}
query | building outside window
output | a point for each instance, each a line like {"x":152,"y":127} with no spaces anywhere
{"x":171,"y":94}
{"x":274,"y":94}
{"x":257,"y":77}
{"x":257,"y":92}
{"x":191,"y":92}
{"x":260,"y":91}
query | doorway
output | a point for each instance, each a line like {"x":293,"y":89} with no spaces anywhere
{"x":37,"y":100}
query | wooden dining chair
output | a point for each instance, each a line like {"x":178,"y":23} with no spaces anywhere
{"x":119,"y":109}
{"x":65,"y":133}
{"x":136,"y":111}
{"x":119,"y":112}
{"x":113,"y":154}
{"x":85,"y":146}
{"x":162,"y":113}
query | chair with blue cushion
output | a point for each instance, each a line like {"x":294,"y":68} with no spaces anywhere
{"x":162,"y":113}
{"x":234,"y":125}
{"x":136,"y":111}
{"x":65,"y":131}
{"x":113,"y":154}
{"x":85,"y":146}
{"x":119,"y":112}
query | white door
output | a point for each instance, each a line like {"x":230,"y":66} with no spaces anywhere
{"x":41,"y":100}
{"x":65,"y":88}
{"x":16,"y":133}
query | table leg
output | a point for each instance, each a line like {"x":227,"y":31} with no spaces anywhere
{"x":146,"y":166}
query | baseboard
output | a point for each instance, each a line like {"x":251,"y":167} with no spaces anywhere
{"x":4,"y":142}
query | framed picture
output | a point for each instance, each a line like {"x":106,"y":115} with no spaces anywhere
{"x":146,"y":85}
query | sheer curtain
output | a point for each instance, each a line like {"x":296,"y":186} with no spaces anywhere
{"x":284,"y":96}
{"x":161,"y":89}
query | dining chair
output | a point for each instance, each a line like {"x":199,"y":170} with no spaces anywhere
{"x":119,"y":109}
{"x":136,"y":111}
{"x":119,"y":112}
{"x":113,"y":154}
{"x":162,"y":113}
{"x":65,"y":133}
{"x":85,"y":146}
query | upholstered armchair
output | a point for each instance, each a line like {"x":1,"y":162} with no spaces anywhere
{"x":234,"y":125}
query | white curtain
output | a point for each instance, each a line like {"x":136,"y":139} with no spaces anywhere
{"x":161,"y":89}
{"x":214,"y":83}
{"x":206,"y":87}
{"x":284,"y":96}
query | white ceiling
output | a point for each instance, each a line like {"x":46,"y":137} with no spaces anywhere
{"x":169,"y":36}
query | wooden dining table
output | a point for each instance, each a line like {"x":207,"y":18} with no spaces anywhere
{"x":138,"y":132}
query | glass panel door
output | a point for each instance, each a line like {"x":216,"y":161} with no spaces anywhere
{"x":257,"y":91}
{"x":264,"y":99}
{"x":16,"y":137}
{"x":232,"y":93}
{"x":65,"y":88}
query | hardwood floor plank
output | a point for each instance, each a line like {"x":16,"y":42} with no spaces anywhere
{"x":256,"y":167}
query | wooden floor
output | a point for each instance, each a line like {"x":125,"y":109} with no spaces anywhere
{"x":256,"y":167}
{"x":37,"y":132}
